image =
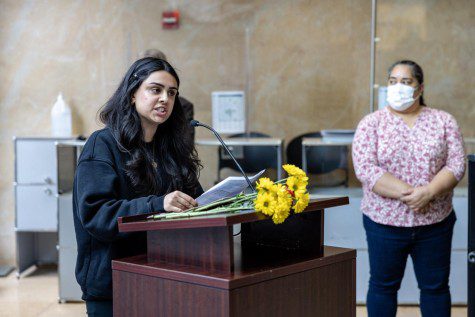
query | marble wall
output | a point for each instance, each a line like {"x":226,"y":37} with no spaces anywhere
{"x":310,"y":63}
{"x":439,"y":36}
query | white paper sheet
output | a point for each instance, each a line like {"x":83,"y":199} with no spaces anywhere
{"x":227,"y":188}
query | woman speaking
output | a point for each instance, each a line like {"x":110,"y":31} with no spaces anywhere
{"x":143,"y":161}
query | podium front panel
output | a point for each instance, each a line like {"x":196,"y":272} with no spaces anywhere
{"x":209,"y":248}
{"x":300,"y":234}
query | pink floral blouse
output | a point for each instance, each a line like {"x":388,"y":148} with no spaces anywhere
{"x":384,"y":143}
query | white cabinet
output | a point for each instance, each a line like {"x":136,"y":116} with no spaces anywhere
{"x":35,"y":161}
{"x":36,"y":208}
{"x":36,"y":201}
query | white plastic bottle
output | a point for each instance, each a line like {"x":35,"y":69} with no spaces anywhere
{"x":61,"y":119}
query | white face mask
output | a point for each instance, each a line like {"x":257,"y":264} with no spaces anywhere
{"x":400,"y":97}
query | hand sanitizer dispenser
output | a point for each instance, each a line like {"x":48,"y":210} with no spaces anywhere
{"x":61,"y":120}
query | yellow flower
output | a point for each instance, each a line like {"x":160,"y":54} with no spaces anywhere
{"x":297,"y":183}
{"x":265,"y":203}
{"x":264,"y":184}
{"x":273,"y":190}
{"x":293,"y":170}
{"x":303,"y":179}
{"x":280,"y":215}
{"x":276,"y":200}
{"x":299,"y":193}
{"x":283,"y":205}
{"x":284,"y":199}
{"x":302,"y":202}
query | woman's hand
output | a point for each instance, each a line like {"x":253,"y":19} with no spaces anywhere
{"x":417,"y":198}
{"x":178,"y":202}
{"x":389,"y":186}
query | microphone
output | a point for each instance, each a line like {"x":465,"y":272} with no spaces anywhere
{"x":196,"y":123}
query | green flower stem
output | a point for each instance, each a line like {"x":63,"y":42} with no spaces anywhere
{"x":175,"y":215}
{"x":220,"y":202}
{"x":234,"y":202}
{"x":244,"y":199}
{"x":214,"y":203}
{"x":202,"y":213}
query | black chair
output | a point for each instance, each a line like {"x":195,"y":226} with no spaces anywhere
{"x":251,"y":158}
{"x":320,"y":159}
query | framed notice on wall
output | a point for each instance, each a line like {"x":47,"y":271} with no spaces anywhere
{"x":228,"y":111}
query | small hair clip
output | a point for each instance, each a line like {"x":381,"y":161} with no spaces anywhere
{"x":135,"y":75}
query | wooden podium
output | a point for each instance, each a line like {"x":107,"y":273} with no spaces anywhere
{"x":195,"y":267}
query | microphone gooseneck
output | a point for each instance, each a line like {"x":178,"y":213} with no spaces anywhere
{"x":196,"y":123}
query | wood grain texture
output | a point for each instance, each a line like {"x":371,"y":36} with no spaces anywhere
{"x":140,"y":222}
{"x":258,"y":268}
{"x":137,"y":295}
{"x":325,"y":290}
{"x":194,"y":267}
{"x":208,"y":248}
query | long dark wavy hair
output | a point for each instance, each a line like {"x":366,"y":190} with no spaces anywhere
{"x":178,"y":164}
{"x":416,"y":72}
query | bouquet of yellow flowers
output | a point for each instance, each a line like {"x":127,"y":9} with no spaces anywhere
{"x":274,"y":199}
{"x":277,"y":199}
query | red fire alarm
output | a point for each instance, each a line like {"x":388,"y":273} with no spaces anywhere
{"x":171,"y":19}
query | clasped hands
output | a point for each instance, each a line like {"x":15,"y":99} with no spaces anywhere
{"x":417,"y":197}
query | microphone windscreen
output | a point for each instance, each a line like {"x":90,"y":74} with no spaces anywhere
{"x":194,"y":123}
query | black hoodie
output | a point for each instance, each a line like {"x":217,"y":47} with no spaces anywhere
{"x":102,"y":193}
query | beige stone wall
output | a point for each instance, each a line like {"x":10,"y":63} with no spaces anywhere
{"x":439,"y":36}
{"x":310,"y":63}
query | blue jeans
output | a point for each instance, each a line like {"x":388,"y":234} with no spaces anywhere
{"x":429,"y":247}
{"x":99,"y":308}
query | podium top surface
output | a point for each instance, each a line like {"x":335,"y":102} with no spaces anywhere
{"x":249,"y":269}
{"x":141,"y":223}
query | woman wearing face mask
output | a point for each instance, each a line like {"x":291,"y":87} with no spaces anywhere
{"x":143,"y":161}
{"x":408,"y":157}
